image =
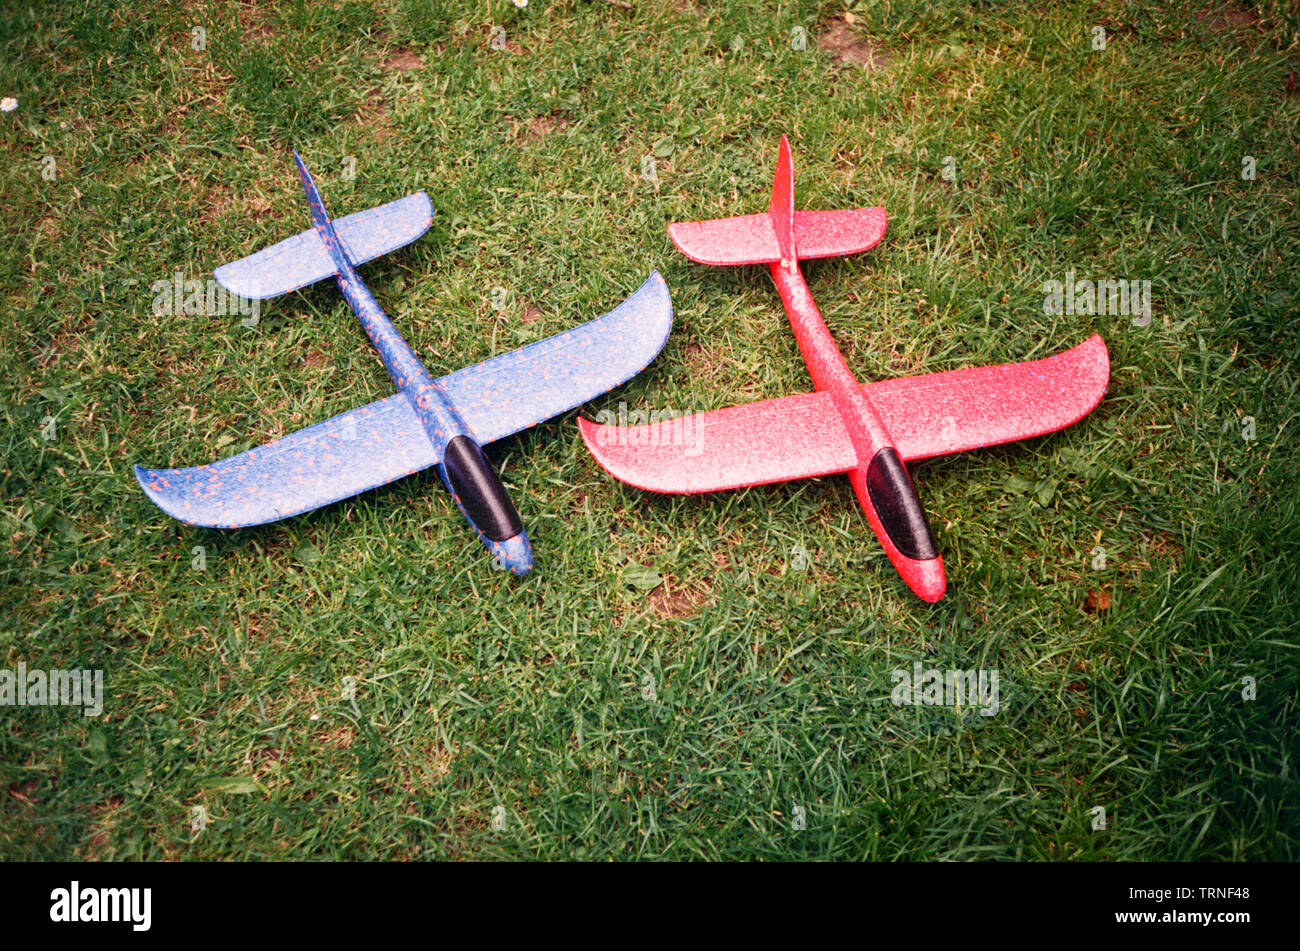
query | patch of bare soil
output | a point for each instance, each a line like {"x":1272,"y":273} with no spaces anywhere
{"x":846,"y":44}
{"x":1096,"y":602}
{"x":403,"y":58}
{"x":1227,"y":17}
{"x":539,"y":127}
{"x":676,"y":602}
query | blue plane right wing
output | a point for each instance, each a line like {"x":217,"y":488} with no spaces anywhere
{"x":332,"y":460}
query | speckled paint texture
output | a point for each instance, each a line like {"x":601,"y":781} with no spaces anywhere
{"x":844,"y":424}
{"x":401,"y":434}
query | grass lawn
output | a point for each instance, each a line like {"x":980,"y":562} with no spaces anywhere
{"x":680,"y":677}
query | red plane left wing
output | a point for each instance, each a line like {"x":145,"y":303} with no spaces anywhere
{"x":797,"y":437}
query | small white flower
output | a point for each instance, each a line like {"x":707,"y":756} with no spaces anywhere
{"x":8,"y":104}
{"x":520,"y":3}
{"x":315,"y":716}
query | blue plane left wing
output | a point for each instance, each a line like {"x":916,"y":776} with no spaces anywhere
{"x":383,"y":441}
{"x":524,"y":387}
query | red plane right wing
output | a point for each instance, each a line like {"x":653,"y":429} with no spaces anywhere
{"x":797,"y":437}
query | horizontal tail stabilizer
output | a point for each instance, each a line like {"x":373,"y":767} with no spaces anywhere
{"x":828,"y":234}
{"x":751,"y":239}
{"x":303,"y":259}
{"x":376,"y":231}
{"x":747,"y":239}
{"x":283,"y":267}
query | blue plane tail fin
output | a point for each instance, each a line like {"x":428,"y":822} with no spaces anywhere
{"x":319,"y":216}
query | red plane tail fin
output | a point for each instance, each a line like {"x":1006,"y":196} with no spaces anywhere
{"x":780,"y":234}
{"x":781,"y":209}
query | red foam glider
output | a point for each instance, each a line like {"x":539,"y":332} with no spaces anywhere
{"x":867,"y":430}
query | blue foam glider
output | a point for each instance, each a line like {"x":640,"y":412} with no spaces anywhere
{"x":440,"y":422}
